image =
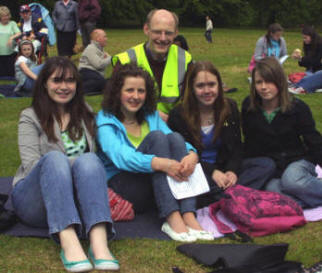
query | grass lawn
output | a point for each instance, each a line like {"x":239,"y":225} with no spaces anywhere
{"x":230,"y":52}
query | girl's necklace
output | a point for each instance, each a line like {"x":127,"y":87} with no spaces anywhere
{"x":207,"y":120}
{"x":131,"y":122}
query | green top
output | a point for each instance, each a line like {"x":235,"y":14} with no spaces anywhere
{"x":270,"y":116}
{"x":6,"y":31}
{"x":136,"y":141}
{"x":73,"y":149}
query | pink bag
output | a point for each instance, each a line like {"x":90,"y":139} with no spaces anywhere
{"x":296,"y":76}
{"x":252,"y":64}
{"x":121,"y":209}
{"x":257,"y":213}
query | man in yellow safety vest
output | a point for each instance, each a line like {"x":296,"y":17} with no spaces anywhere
{"x":167,"y":63}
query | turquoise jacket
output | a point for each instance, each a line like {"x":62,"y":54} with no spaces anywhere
{"x":115,"y":149}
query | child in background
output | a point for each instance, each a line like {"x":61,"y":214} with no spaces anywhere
{"x":26,"y":69}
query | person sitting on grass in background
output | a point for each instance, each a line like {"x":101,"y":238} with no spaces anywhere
{"x":139,"y":151}
{"x":281,"y":127}
{"x":312,"y":61}
{"x":210,"y":122}
{"x":61,"y":183}
{"x":271,"y":44}
{"x":93,"y":63}
{"x":26,"y":68}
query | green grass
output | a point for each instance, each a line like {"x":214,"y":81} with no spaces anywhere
{"x":230,"y":52}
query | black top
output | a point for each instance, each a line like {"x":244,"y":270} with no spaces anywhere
{"x":312,"y":57}
{"x":229,"y":155}
{"x":291,"y":136}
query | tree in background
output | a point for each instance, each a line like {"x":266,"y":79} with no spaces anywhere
{"x":225,"y":13}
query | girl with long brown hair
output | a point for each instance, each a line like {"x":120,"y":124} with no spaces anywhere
{"x":61,"y":183}
{"x":210,"y":122}
{"x":280,"y":127}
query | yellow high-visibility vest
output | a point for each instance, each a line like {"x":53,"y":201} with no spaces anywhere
{"x":173,"y":74}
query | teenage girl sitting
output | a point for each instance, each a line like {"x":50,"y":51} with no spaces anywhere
{"x":282,"y":128}
{"x":61,"y":183}
{"x":139,"y":151}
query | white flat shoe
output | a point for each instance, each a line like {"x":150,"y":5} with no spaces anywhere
{"x":201,"y":234}
{"x":181,"y":237}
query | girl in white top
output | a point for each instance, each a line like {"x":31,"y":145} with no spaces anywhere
{"x":26,"y":69}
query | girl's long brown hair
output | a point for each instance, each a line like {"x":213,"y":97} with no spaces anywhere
{"x":47,"y":110}
{"x":271,"y":71}
{"x":190,"y":105}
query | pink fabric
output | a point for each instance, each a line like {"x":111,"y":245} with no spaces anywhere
{"x":208,"y":224}
{"x":310,"y":215}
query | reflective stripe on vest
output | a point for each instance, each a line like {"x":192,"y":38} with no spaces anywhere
{"x":173,"y":74}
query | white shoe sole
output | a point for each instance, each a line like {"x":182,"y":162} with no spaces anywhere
{"x":181,"y":237}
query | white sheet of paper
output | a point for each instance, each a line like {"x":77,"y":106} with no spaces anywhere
{"x":283,"y":59}
{"x":196,"y":185}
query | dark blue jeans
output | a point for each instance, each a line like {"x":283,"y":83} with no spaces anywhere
{"x":208,"y":36}
{"x":56,"y":194}
{"x":311,"y":81}
{"x":146,"y":190}
{"x":256,"y":172}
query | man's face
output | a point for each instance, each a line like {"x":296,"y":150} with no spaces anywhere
{"x":25,"y":15}
{"x":161,"y":32}
{"x":102,"y":38}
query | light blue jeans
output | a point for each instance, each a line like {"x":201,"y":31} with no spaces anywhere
{"x":140,"y":188}
{"x":311,"y":81}
{"x":29,"y":82}
{"x":299,"y":181}
{"x":56,"y":194}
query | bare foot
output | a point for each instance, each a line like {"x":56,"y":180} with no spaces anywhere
{"x":191,"y":221}
{"x":176,"y":222}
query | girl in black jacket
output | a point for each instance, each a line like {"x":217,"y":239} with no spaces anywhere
{"x":282,"y":128}
{"x":210,"y":122}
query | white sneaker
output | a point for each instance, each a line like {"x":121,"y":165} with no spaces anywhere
{"x":297,"y":91}
{"x":318,"y":90}
{"x":201,"y":234}
{"x":181,"y":237}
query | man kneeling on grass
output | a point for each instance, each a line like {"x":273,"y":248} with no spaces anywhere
{"x":93,"y":62}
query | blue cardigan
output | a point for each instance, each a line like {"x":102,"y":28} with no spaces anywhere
{"x":115,"y":149}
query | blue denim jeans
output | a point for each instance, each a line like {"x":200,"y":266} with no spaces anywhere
{"x":29,"y":82}
{"x":299,"y":181}
{"x":311,"y":82}
{"x":140,"y":188}
{"x":256,"y":172}
{"x":56,"y":194}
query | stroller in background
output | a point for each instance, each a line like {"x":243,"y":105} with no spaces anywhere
{"x":49,"y":37}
